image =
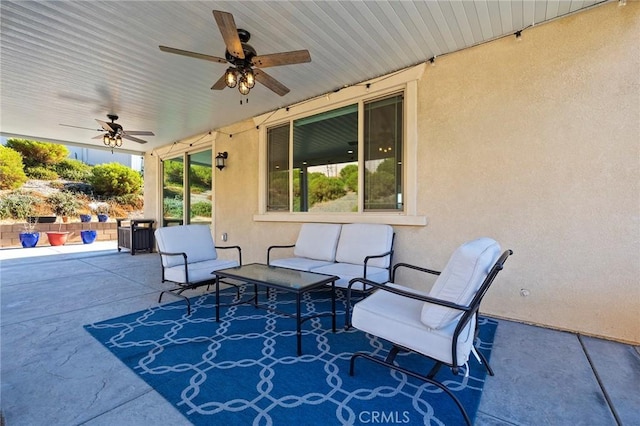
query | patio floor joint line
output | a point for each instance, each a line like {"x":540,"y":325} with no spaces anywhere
{"x":599,"y":380}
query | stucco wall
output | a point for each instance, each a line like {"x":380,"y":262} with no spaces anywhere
{"x":535,"y":143}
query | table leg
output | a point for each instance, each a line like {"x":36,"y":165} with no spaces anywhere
{"x":298,"y":324}
{"x":217,"y":298}
{"x":333,"y":305}
{"x":255,"y":293}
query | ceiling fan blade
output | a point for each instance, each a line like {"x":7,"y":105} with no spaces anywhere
{"x":229,"y":32}
{"x":138,"y":132}
{"x":131,"y":138}
{"x":106,"y":126}
{"x":270,"y":82}
{"x":78,"y":127}
{"x":193,"y":54}
{"x":284,"y":58}
{"x":220,"y":84}
{"x":98,"y":137}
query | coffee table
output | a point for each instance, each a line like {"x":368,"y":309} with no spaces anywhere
{"x":291,"y":280}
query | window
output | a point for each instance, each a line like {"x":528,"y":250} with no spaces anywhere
{"x":278,"y":169}
{"x":383,"y":126}
{"x":350,"y":155}
{"x":326,"y":165}
{"x":190,"y":193}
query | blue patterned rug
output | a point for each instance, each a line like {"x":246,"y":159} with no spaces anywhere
{"x":244,"y":369}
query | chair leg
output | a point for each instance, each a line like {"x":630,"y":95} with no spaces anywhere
{"x":485,"y":363}
{"x":412,"y":374}
{"x":434,"y":370}
{"x":391,"y":356}
{"x":179,"y":294}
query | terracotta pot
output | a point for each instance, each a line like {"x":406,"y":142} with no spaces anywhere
{"x":57,"y":238}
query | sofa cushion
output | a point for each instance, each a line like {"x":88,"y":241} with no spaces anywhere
{"x":348,"y":271}
{"x":198,"y":271}
{"x":397,"y":319}
{"x":194,"y":240}
{"x":467,"y":268}
{"x":359,"y":240}
{"x":299,"y":263}
{"x":318,"y":241}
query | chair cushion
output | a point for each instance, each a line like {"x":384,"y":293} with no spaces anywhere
{"x":397,"y":319}
{"x":194,"y":240}
{"x":198,"y":271}
{"x":318,"y":241}
{"x":467,"y":268}
{"x":299,"y":263}
{"x":359,"y":240}
{"x":348,"y":271}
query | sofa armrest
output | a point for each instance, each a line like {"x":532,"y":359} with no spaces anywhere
{"x":276,"y":247}
{"x":233,"y":247}
{"x":414,"y":267}
{"x":166,"y":253}
{"x":378,"y":256}
{"x":400,"y":292}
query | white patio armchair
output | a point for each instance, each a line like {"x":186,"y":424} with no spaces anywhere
{"x":441,"y":324}
{"x":188,"y":257}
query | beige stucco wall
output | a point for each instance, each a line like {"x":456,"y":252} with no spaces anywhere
{"x":535,"y":143}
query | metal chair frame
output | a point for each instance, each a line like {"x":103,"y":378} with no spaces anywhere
{"x":468,"y":313}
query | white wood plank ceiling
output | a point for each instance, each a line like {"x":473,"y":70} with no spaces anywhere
{"x":69,"y":62}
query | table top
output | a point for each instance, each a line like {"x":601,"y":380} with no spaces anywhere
{"x":274,"y":276}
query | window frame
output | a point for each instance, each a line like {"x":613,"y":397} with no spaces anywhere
{"x":405,"y":81}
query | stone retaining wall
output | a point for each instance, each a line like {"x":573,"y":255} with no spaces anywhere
{"x":9,"y":234}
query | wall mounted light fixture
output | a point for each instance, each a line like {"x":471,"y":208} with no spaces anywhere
{"x":221,"y":160}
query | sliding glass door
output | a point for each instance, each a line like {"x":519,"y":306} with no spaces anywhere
{"x":187,"y":189}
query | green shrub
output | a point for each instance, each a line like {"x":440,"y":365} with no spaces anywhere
{"x":74,"y":170}
{"x":115,"y":179}
{"x":135,"y":201}
{"x":35,"y":153}
{"x":18,"y":205}
{"x":40,"y":172}
{"x":173,"y":207}
{"x":11,"y":169}
{"x":201,"y":208}
{"x":64,"y":203}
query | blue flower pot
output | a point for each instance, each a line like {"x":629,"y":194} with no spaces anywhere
{"x":103,"y":217}
{"x":29,"y":239}
{"x":85,"y":218}
{"x":88,"y":236}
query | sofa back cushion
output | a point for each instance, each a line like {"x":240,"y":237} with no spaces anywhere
{"x":318,"y":241}
{"x":359,"y":240}
{"x":194,"y":240}
{"x":467,"y":268}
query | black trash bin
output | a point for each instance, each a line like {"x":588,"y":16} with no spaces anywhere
{"x":135,"y":235}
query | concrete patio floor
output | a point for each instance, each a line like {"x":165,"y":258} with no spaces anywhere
{"x":54,"y":373}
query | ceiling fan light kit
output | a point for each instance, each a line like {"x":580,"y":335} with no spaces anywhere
{"x":114,"y":133}
{"x":243,"y":59}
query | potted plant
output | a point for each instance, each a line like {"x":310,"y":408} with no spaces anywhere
{"x":29,"y":236}
{"x":85,"y":217}
{"x":59,"y":237}
{"x":23,"y":207}
{"x":63,"y":204}
{"x":101,"y":209}
{"x":87,"y":235}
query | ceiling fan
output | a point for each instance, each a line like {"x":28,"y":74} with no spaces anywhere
{"x":244,"y":59}
{"x":114,"y":133}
